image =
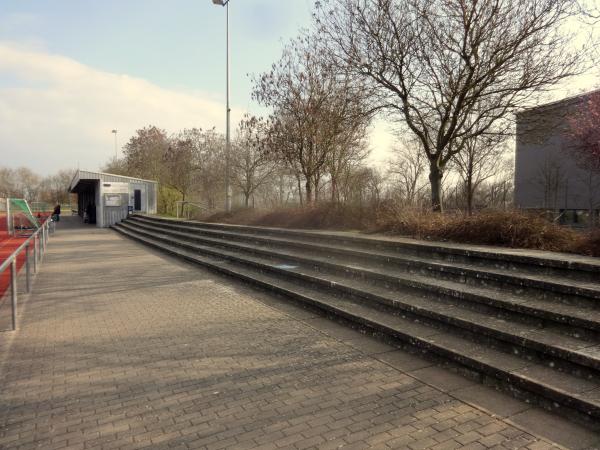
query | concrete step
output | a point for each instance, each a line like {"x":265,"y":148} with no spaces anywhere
{"x":567,"y":266}
{"x":556,"y":390}
{"x":563,"y":289}
{"x":576,"y":320}
{"x":533,"y":342}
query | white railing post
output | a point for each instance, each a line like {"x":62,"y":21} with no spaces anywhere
{"x":38,"y":241}
{"x":13,"y":291}
{"x":35,"y":253}
{"x":9,"y":221}
{"x":27,"y":269}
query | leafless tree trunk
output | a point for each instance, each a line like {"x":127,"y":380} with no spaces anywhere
{"x":479,"y":161}
{"x":252,"y":165}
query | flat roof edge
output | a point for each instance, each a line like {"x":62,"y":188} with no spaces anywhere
{"x":572,"y":99}
{"x":77,"y":177}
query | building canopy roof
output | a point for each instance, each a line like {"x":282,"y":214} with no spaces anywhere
{"x":84,"y":178}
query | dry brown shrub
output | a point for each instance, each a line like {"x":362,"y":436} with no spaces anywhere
{"x":516,"y":229}
{"x":588,"y":244}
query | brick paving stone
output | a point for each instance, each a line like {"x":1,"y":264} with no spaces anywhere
{"x":120,"y":347}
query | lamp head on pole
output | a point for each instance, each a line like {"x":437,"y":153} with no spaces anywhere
{"x":220,"y":2}
{"x":114,"y":131}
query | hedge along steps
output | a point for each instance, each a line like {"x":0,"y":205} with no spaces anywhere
{"x":465,"y":337}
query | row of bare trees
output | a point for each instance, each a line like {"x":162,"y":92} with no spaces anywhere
{"x":26,"y":184}
{"x":185,"y":163}
{"x":449,"y":73}
{"x":320,"y":117}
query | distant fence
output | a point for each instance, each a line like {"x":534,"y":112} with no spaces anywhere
{"x":185,"y":208}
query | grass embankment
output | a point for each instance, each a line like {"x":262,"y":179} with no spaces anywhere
{"x":515,"y":229}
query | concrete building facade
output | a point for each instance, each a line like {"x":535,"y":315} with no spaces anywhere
{"x":105,"y":199}
{"x":549,"y":175}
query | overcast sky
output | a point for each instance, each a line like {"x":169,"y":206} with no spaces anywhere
{"x":73,"y":70}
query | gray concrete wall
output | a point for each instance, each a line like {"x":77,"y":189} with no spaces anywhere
{"x":548,"y":173}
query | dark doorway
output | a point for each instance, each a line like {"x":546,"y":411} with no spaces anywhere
{"x":137,"y":200}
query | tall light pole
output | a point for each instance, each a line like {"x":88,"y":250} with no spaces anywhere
{"x":225,"y":3}
{"x":116,"y":153}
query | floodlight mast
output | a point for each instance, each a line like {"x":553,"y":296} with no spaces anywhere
{"x":228,"y":109}
{"x":115,"y":133}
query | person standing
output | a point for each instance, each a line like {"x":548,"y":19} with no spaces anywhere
{"x":56,"y":213}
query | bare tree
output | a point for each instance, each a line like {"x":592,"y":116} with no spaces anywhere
{"x":117,"y":166}
{"x":251,"y":164}
{"x":210,"y":146}
{"x":408,"y":169}
{"x":590,"y":10}
{"x":584,"y":130}
{"x":315,"y":109}
{"x":182,"y":164}
{"x":349,"y":152}
{"x":26,"y":184}
{"x":452,"y":70}
{"x":144,"y":153}
{"x":363,"y":186}
{"x":209,"y":179}
{"x":552,"y":179}
{"x":7,"y":183}
{"x":55,"y":188}
{"x":478,"y":162}
{"x":19,"y":183}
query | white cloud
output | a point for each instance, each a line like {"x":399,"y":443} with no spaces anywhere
{"x":57,"y":113}
{"x":382,"y":141}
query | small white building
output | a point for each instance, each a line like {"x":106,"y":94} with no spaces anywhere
{"x":106,"y":199}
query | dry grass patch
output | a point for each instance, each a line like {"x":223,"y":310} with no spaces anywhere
{"x":515,"y":229}
{"x":588,"y":244}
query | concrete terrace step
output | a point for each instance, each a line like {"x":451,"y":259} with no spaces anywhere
{"x":476,"y":296}
{"x":577,"y":267}
{"x":521,"y":337}
{"x":553,"y":389}
{"x":463,"y":272}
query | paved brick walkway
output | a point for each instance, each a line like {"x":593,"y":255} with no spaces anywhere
{"x":121,"y":347}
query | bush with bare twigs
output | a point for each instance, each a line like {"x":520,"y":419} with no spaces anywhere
{"x":516,"y":229}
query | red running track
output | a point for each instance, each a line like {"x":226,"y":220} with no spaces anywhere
{"x":8,"y":244}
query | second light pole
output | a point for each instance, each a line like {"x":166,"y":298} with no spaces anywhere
{"x":116,"y":153}
{"x":225,"y":3}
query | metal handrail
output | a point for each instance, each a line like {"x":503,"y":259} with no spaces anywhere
{"x":40,"y":240}
{"x":185,"y":202}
